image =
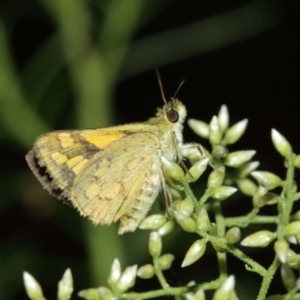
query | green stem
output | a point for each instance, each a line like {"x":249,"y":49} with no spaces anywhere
{"x":287,"y":205}
{"x":159,"y":274}
{"x":189,"y":193}
{"x":244,"y":221}
{"x":171,"y":291}
{"x":222,"y":259}
{"x":204,"y":198}
{"x":267,"y":279}
{"x":255,"y":267}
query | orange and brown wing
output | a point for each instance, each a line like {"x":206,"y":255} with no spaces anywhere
{"x":119,"y":181}
{"x":59,"y":156}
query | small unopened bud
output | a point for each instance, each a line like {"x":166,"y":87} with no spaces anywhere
{"x":298,"y":238}
{"x":292,"y":259}
{"x":258,"y":239}
{"x":127,"y":279}
{"x":219,"y":247}
{"x":104,"y":293}
{"x":191,"y":152}
{"x":260,"y":191}
{"x":237,"y":158}
{"x":247,"y":186}
{"x":186,"y":207}
{"x":223,"y":118}
{"x":32,"y":287}
{"x":292,"y":228}
{"x":203,"y":222}
{"x":267,"y":179}
{"x":115,"y":272}
{"x":219,"y":151}
{"x":281,"y":248}
{"x":146,"y":271}
{"x":155,"y":244}
{"x":194,"y":253}
{"x":247,"y":168}
{"x":225,"y":291}
{"x":153,"y":222}
{"x":291,"y":239}
{"x":215,"y":132}
{"x":296,"y":215}
{"x":91,"y":293}
{"x":234,"y":133}
{"x":199,"y":295}
{"x":165,"y":261}
{"x":281,"y":143}
{"x":172,"y":171}
{"x":216,"y":177}
{"x":175,"y":193}
{"x":233,"y":235}
{"x":197,"y":170}
{"x":297,"y":161}
{"x":266,"y":199}
{"x":167,"y":228}
{"x":222,"y":192}
{"x":186,"y":223}
{"x":199,"y":127}
{"x":288,"y":277}
{"x":65,"y":286}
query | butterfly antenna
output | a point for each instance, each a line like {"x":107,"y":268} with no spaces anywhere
{"x":160,"y":85}
{"x":180,"y":85}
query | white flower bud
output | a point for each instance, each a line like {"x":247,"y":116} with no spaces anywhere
{"x":171,"y":170}
{"x":197,"y":170}
{"x":115,"y":272}
{"x":167,"y":228}
{"x":222,"y":192}
{"x":32,"y":287}
{"x":297,"y":161}
{"x":223,"y":118}
{"x":146,"y":271}
{"x":247,"y":168}
{"x":203,"y":222}
{"x":288,"y":277}
{"x":234,"y":133}
{"x":237,"y":158}
{"x":91,"y":293}
{"x":155,"y":244}
{"x":233,"y":235}
{"x":65,"y":286}
{"x":104,"y":293}
{"x":281,"y":248}
{"x":267,"y":179}
{"x":199,"y":127}
{"x":225,"y":291}
{"x":186,"y":223}
{"x":191,"y":152}
{"x":247,"y":186}
{"x":280,"y":143}
{"x":186,"y":207}
{"x":153,"y":222}
{"x":216,"y":177}
{"x":292,"y":228}
{"x":194,"y":253}
{"x":215,"y":133}
{"x":258,"y":239}
{"x":165,"y":261}
{"x":127,"y":279}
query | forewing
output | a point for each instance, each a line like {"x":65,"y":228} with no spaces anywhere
{"x":58,"y":157}
{"x":114,"y":174}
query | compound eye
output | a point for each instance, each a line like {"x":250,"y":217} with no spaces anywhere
{"x":173,"y":116}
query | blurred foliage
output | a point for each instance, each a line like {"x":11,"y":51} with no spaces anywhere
{"x":67,"y":78}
